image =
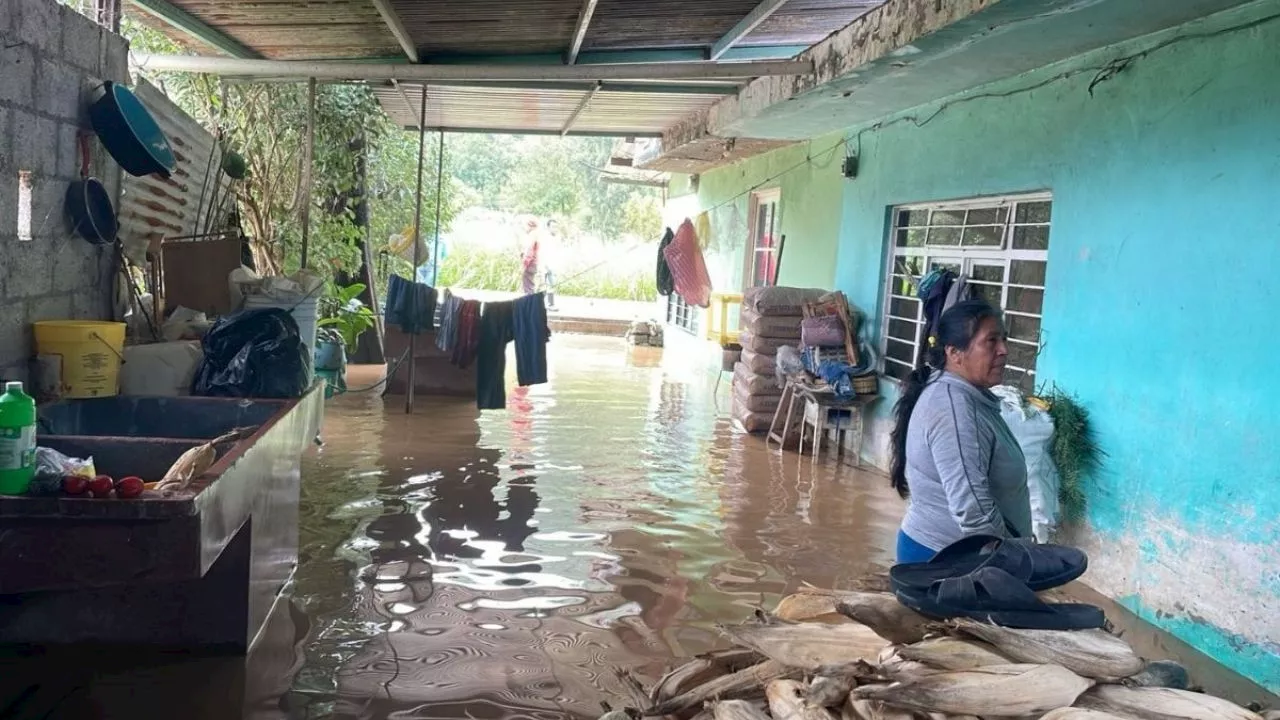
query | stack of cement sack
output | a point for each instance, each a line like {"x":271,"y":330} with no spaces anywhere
{"x":770,"y":319}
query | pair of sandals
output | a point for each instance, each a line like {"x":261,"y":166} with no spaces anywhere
{"x":995,"y":580}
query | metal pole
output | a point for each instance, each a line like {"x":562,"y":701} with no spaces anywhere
{"x":340,"y":70}
{"x":435,"y":259}
{"x":417,"y":249}
{"x":306,"y":169}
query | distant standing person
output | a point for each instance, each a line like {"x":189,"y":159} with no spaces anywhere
{"x":529,"y":258}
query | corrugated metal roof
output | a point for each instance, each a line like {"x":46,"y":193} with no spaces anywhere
{"x":630,"y":25}
{"x":152,"y":208}
{"x":297,"y":29}
{"x":541,"y":110}
{"x":490,"y":26}
{"x":316,"y":29}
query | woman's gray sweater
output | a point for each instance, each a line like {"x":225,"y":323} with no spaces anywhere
{"x":964,"y":468}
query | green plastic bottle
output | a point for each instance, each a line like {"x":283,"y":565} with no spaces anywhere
{"x":17,"y":440}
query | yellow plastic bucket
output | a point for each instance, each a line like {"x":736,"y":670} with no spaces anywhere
{"x":79,"y":358}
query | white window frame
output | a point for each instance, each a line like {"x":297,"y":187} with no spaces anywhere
{"x":677,"y":307}
{"x":968,"y":257}
{"x":753,"y":251}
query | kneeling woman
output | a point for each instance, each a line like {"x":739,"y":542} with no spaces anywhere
{"x":954,"y":457}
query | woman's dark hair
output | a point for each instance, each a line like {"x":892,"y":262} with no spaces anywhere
{"x":955,"y":328}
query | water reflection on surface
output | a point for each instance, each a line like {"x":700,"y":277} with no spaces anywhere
{"x":504,"y":566}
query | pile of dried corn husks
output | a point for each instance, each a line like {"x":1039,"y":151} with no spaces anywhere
{"x":826,"y":655}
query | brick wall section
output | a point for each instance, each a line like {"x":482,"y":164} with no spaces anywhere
{"x":52,"y":64}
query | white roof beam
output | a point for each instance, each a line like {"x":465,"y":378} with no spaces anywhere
{"x":573,"y":117}
{"x":580,"y":32}
{"x":397,"y":28}
{"x":745,"y":26}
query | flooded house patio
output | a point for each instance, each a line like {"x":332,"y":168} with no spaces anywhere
{"x":504,"y":565}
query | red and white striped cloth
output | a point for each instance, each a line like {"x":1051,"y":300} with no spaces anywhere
{"x":688,"y":268}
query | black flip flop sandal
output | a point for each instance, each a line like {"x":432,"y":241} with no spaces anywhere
{"x":994,"y":596}
{"x":1039,"y":567}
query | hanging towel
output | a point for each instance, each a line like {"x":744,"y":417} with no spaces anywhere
{"x":496,"y":330}
{"x":702,"y":228}
{"x":467,"y":335}
{"x":447,"y":334}
{"x":531,"y":334}
{"x":666,"y":285}
{"x":410,"y":305}
{"x":688,"y":267}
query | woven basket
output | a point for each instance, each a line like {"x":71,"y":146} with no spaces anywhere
{"x":867,"y":384}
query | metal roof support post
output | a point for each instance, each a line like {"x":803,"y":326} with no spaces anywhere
{"x":435,"y":250}
{"x":306,"y":168}
{"x":417,"y":252}
{"x":745,"y":26}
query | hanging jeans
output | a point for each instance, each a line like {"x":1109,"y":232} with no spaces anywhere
{"x":531,"y":334}
{"x":496,"y":330}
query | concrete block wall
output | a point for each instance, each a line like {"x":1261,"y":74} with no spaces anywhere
{"x":52,"y":64}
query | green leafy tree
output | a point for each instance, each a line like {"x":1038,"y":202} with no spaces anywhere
{"x":266,"y":123}
{"x":543,"y":183}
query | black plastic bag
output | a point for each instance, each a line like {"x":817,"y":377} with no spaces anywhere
{"x":254,"y":353}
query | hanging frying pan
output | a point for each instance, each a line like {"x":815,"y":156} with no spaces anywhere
{"x":130,"y":133}
{"x":88,"y":205}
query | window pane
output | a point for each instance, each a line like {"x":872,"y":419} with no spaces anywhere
{"x":1023,"y":355}
{"x":900,"y":285}
{"x":913,"y":237}
{"x":944,"y":264}
{"x":1023,"y":327}
{"x":904,"y":307}
{"x":990,"y":293}
{"x":1034,"y":212}
{"x":947,"y":217}
{"x":913,"y":218}
{"x":988,"y":273}
{"x":984,"y":236}
{"x":1031,"y":237}
{"x":947,"y":236}
{"x":988,"y":216}
{"x":1027,"y":272}
{"x":903,"y":330}
{"x":913,"y":264}
{"x":1027,"y":301}
{"x":900,"y":351}
{"x":896,"y":370}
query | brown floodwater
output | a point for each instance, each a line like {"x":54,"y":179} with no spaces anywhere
{"x":457,"y":564}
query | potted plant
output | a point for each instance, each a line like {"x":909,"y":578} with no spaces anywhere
{"x":347,"y":316}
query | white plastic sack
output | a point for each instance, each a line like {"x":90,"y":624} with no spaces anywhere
{"x":1033,"y":429}
{"x":160,"y":369}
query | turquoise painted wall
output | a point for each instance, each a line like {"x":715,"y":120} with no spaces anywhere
{"x":1160,"y":303}
{"x":809,"y":214}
